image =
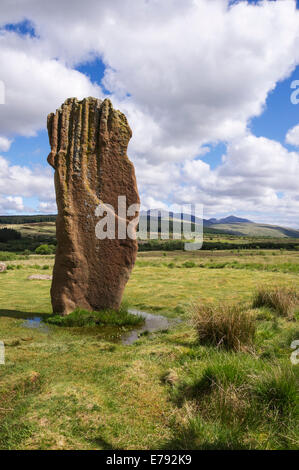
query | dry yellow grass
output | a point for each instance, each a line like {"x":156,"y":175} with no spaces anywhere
{"x":227,"y":326}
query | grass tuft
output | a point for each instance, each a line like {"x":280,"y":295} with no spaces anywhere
{"x":81,"y":317}
{"x":236,"y":401}
{"x":277,"y":390}
{"x":282,"y":300}
{"x":227,"y":326}
{"x":170,"y":377}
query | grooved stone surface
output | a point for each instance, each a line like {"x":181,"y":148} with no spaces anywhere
{"x":89,"y":142}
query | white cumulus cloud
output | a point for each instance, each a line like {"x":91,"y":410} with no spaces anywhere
{"x":5,"y":144}
{"x":11,"y":203}
{"x":186,"y":74}
{"x":18,"y":182}
{"x":292,"y":136}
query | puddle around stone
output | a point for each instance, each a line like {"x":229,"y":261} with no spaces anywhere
{"x":36,"y":323}
{"x":152,"y":323}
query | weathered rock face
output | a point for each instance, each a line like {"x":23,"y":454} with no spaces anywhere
{"x":89,"y":142}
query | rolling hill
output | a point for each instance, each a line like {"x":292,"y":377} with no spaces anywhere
{"x":255,"y":230}
{"x":228,"y":225}
{"x":231,"y":225}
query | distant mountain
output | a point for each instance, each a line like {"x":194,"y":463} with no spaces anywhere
{"x":231,"y":219}
{"x":230,"y":225}
{"x":154,"y":213}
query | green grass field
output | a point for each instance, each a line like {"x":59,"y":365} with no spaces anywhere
{"x":81,"y":388}
{"x":221,"y":237}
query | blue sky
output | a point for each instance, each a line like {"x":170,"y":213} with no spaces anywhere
{"x":280,"y":114}
{"x":198,"y":134}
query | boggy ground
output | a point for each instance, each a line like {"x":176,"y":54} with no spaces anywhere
{"x":70,"y":388}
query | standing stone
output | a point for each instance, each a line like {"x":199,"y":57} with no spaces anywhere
{"x":89,"y":141}
{"x":2,"y":267}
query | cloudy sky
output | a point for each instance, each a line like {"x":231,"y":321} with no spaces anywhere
{"x":206,"y":86}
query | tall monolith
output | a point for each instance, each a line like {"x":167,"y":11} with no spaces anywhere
{"x":89,"y":141}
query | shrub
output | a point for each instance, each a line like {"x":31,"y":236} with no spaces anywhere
{"x":6,"y":256}
{"x":189,"y":264}
{"x":7,"y":234}
{"x":230,"y":327}
{"x":45,"y":250}
{"x":282,"y":300}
